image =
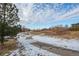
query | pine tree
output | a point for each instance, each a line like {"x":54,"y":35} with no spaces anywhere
{"x":8,"y":18}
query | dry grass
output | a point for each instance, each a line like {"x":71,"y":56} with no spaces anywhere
{"x":8,"y":46}
{"x":71,"y":35}
{"x":64,"y":34}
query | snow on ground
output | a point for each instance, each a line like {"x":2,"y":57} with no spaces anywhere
{"x":14,"y":53}
{"x":29,"y":49}
{"x":65,"y":43}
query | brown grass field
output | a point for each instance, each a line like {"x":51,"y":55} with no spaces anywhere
{"x":61,"y":34}
{"x":8,"y":46}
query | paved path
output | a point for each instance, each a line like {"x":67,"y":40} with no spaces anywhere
{"x":57,"y":50}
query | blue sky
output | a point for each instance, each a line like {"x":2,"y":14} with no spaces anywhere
{"x":45,"y":15}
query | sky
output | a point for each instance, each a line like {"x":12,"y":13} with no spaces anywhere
{"x":46,"y":15}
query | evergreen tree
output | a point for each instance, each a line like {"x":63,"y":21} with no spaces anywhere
{"x":8,"y":18}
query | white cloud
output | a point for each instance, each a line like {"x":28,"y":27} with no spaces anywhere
{"x":27,"y":15}
{"x":25,"y":11}
{"x":42,"y":16}
{"x":69,"y":14}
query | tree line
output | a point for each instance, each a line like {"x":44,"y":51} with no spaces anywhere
{"x":74,"y":27}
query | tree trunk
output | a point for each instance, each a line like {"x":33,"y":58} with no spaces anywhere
{"x":2,"y":40}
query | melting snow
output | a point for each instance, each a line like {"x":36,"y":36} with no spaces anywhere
{"x":31,"y":50}
{"x":65,"y":43}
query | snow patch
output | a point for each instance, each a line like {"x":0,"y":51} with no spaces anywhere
{"x":29,"y":49}
{"x":65,"y":43}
